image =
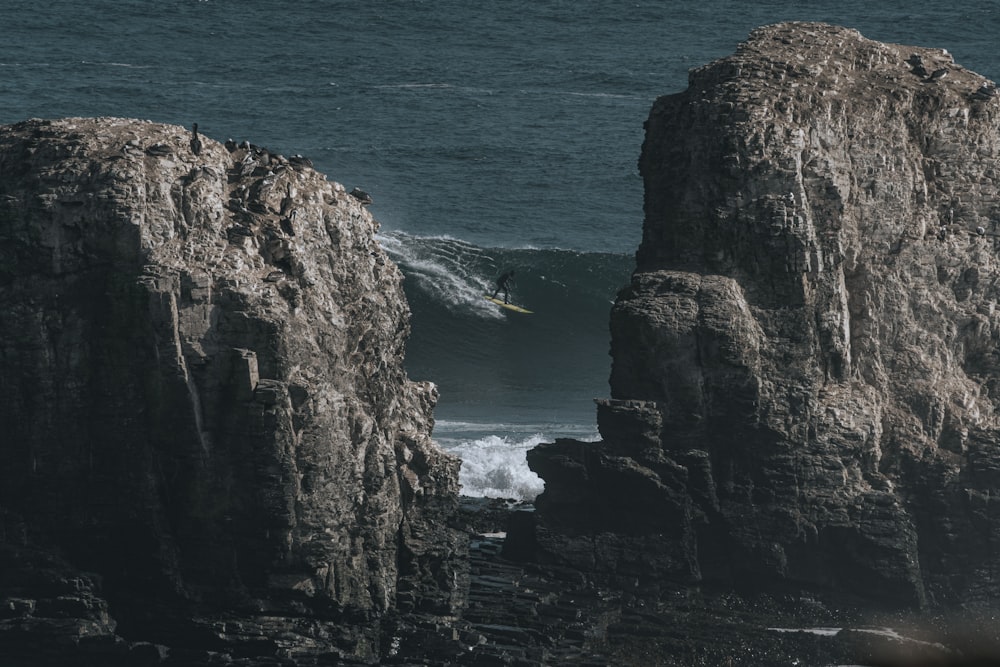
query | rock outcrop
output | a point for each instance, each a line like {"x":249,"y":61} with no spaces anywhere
{"x":804,"y":392}
{"x":206,"y":426}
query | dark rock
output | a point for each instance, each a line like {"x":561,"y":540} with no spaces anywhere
{"x":214,"y":457}
{"x":803,"y":382}
{"x":211,"y":442}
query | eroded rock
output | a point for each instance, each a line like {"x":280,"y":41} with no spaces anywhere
{"x":201,"y":359}
{"x":804,"y":376}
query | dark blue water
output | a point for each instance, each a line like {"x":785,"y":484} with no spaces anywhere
{"x":490,"y":134}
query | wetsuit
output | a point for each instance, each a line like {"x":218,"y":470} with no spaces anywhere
{"x":503,"y":283}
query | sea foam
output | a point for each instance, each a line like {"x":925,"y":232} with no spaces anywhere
{"x":496,"y":466}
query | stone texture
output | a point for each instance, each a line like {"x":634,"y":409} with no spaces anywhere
{"x":804,"y":382}
{"x":212,"y":455}
{"x":204,"y":401}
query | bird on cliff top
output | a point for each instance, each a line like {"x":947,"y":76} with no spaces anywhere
{"x":247,"y":165}
{"x":195,"y":141}
{"x":916,"y":64}
{"x":361,"y":196}
{"x":159,"y":150}
{"x":287,"y":201}
{"x":985,"y":92}
{"x":938,"y":74}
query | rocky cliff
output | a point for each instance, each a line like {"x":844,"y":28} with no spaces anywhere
{"x":205,"y":413}
{"x":804,"y":392}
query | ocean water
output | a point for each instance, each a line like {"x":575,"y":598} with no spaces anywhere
{"x":491,"y":135}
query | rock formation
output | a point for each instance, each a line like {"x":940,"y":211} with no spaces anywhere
{"x":206,"y":423}
{"x":212,"y":454}
{"x":804,"y":392}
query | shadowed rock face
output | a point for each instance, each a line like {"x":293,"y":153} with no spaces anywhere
{"x":804,"y":383}
{"x":204,"y":400}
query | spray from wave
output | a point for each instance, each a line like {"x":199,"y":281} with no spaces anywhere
{"x":446,"y":270}
{"x":496,"y":466}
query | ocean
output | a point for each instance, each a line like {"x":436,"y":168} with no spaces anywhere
{"x":491,"y":135}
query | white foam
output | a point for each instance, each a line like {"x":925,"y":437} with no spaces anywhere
{"x":610,"y":96}
{"x":496,"y":467}
{"x":439,"y":265}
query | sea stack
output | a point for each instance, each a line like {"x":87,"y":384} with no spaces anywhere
{"x":209,"y":439}
{"x":804,"y":391}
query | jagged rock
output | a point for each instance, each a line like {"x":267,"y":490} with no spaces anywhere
{"x":208,"y":437}
{"x":804,"y":383}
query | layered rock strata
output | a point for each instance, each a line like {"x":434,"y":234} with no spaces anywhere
{"x":804,"y":391}
{"x":204,"y":400}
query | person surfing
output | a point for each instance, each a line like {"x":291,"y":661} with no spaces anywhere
{"x":504,"y":283}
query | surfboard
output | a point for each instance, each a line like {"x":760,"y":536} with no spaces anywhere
{"x":508,"y":306}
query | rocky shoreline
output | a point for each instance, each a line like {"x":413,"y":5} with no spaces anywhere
{"x":213,"y":454}
{"x":515,"y":613}
{"x":522,"y":613}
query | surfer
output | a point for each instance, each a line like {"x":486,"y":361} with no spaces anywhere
{"x":503,"y":283}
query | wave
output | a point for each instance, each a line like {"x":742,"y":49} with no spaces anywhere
{"x":454,"y":274}
{"x":469,"y":345}
{"x":30,"y":65}
{"x":504,"y":377}
{"x":436,"y":86}
{"x":450,"y":434}
{"x":578,"y":93}
{"x":114,"y":64}
{"x":607,"y":96}
{"x":496,"y":466}
{"x":433,"y":87}
{"x":444,"y":271}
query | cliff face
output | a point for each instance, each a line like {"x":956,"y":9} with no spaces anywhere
{"x":204,"y":397}
{"x":804,"y":383}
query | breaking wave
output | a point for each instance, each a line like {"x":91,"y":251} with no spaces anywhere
{"x":507,"y":381}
